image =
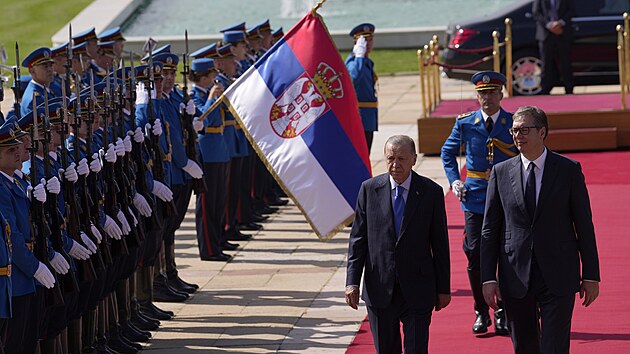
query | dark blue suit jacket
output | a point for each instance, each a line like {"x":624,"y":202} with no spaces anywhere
{"x":561,"y":232}
{"x":419,"y":260}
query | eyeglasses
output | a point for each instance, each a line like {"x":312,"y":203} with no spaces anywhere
{"x":521,"y":130}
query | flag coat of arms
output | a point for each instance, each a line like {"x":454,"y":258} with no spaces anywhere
{"x":299,"y":110}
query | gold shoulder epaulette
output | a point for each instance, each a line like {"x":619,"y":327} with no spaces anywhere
{"x":464,"y":115}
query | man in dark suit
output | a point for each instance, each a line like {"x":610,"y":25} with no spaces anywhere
{"x":538,"y":228}
{"x":399,"y":238}
{"x":555,"y":34}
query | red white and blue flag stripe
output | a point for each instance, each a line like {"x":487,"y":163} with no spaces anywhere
{"x":299,"y":110}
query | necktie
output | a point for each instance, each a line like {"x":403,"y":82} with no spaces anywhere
{"x":530,"y":190}
{"x":399,"y":209}
{"x":489,"y":124}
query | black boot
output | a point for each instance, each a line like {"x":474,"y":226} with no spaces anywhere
{"x":482,"y":320}
{"x":500,"y":321}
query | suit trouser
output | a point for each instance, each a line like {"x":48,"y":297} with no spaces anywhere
{"x":262,"y":182}
{"x":210,"y":209}
{"x":369,"y":137}
{"x":3,"y":333}
{"x":20,"y":324}
{"x":385,"y":326}
{"x":471,"y":246}
{"x":181,"y":196}
{"x":555,"y":52}
{"x":245,"y":200}
{"x":234,"y":194}
{"x":540,"y":322}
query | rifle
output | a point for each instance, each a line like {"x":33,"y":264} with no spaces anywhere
{"x":111,"y":188}
{"x":154,"y":223}
{"x":190,"y":135}
{"x":67,"y":281}
{"x":39,"y":227}
{"x":157,"y":155}
{"x":17,"y":88}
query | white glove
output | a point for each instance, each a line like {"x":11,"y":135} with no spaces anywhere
{"x":96,"y":233}
{"x":110,"y":155}
{"x":70,"y":173}
{"x":135,"y":220}
{"x":157,"y":128}
{"x":360,"y":47}
{"x":126,"y":229}
{"x":197,"y":124}
{"x":83,"y":169}
{"x":161,"y":191}
{"x":77,"y":251}
{"x":127,"y":142}
{"x":189,"y":106}
{"x":142,"y":205}
{"x":142,"y":97}
{"x":39,"y":193}
{"x":88,"y":243}
{"x":120,"y":147}
{"x":59,"y":264}
{"x":53,"y":155}
{"x":53,"y":186}
{"x":193,"y":169}
{"x":95,"y":165}
{"x":138,"y":136}
{"x":111,"y":228}
{"x":459,"y":189}
{"x":44,"y":276}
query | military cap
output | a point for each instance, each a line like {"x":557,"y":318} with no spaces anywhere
{"x":163,"y":49}
{"x":87,"y":35}
{"x":277,"y":34}
{"x":364,"y":29}
{"x":233,"y":36}
{"x":205,"y":52}
{"x":59,"y":50}
{"x":119,"y":73}
{"x":11,"y":118}
{"x":142,"y":71}
{"x":234,"y":27}
{"x":37,"y":57}
{"x":55,"y":110}
{"x":264,"y":26}
{"x":253,"y":33}
{"x":82,"y":101}
{"x":225,"y":51}
{"x":112,"y":34}
{"x":202,"y":64}
{"x":27,"y":120}
{"x":8,"y":132}
{"x":488,"y":80}
{"x":106,"y":47}
{"x":79,"y":49}
{"x":168,"y":60}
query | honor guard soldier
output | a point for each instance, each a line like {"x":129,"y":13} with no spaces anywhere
{"x":89,"y":37}
{"x":361,"y":69}
{"x":488,"y":142}
{"x":254,"y":38}
{"x":6,"y":139}
{"x":264,"y":28}
{"x":39,"y":64}
{"x":239,"y":48}
{"x":210,"y":206}
{"x":276,"y":35}
{"x":115,"y":35}
{"x":58,"y":55}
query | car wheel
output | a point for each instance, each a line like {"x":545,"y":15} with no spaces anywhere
{"x":526,"y":74}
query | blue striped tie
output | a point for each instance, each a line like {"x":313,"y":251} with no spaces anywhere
{"x":399,"y":209}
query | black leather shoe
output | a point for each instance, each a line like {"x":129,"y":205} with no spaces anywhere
{"x":144,"y":323}
{"x":157,"y":309}
{"x":164,"y":293}
{"x":500,"y":323}
{"x":117,"y":344}
{"x":229,"y":246}
{"x":153,"y":313}
{"x":482,"y":322}
{"x":250,"y":226}
{"x":278,"y":202}
{"x":129,"y":331}
{"x":221,"y":257}
{"x":177,"y":283}
{"x":238,"y":236}
{"x":162,"y":281}
{"x":129,"y":342}
{"x":259,"y":217}
{"x":268,"y":210}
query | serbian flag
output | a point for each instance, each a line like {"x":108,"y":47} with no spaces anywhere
{"x":299,"y":111}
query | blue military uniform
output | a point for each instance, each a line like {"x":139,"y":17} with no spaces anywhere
{"x":488,"y":142}
{"x":364,"y":80}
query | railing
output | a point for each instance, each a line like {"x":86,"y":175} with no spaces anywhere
{"x":428,"y":66}
{"x":623,"y":53}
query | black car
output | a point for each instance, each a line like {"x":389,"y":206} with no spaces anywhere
{"x":593,"y":54}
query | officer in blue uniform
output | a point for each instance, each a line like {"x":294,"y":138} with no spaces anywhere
{"x":6,"y":139}
{"x":276,"y":35}
{"x":59,"y":55}
{"x":113,"y":34}
{"x":361,"y":69}
{"x":239,"y":48}
{"x":89,"y":37}
{"x":39,"y":65}
{"x":488,"y":142}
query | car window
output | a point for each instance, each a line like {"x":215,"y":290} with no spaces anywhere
{"x":587,"y":8}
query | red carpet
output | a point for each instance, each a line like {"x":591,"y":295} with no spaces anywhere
{"x":552,"y":103}
{"x":604,"y":327}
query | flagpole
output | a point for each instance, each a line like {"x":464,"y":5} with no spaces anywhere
{"x":318,"y":5}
